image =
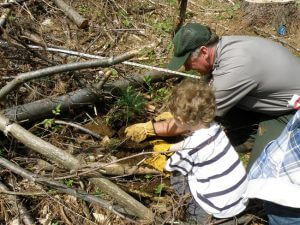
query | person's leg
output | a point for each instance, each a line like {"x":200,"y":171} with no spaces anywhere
{"x":194,"y":213}
{"x":282,"y":215}
{"x":268,"y":130}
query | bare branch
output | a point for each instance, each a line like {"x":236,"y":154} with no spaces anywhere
{"x":24,"y":214}
{"x":80,"y":21}
{"x":24,"y":77}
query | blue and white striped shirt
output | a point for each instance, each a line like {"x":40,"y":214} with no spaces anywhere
{"x":216,"y":176}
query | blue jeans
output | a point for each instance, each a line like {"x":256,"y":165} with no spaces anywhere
{"x":194,"y":213}
{"x":282,"y":215}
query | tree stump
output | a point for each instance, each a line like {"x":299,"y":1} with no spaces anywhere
{"x":272,"y":12}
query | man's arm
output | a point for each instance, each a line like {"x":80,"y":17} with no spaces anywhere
{"x":167,"y":128}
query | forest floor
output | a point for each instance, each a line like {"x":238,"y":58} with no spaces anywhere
{"x":115,"y":27}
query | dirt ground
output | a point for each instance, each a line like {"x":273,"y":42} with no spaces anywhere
{"x":115,"y":27}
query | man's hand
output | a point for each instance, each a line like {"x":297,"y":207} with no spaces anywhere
{"x":140,"y":131}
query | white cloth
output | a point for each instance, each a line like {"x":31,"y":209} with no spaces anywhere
{"x":216,"y":176}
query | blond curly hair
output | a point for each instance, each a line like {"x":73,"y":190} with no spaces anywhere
{"x":193,"y":102}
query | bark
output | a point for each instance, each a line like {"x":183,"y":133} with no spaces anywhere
{"x":14,"y":200}
{"x":182,"y":15}
{"x":56,"y":185}
{"x":37,"y":144}
{"x":80,"y":21}
{"x":83,"y":97}
{"x":140,"y":210}
{"x":24,"y":77}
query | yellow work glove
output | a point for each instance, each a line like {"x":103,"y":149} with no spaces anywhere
{"x":158,"y":160}
{"x":140,"y":131}
{"x":163,"y":116}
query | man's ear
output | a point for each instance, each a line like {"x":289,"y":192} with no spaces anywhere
{"x":203,"y":52}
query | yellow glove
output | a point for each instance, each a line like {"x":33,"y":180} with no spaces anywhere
{"x":140,"y":131}
{"x":158,"y":160}
{"x":163,"y":116}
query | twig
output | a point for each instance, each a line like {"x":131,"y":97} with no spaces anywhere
{"x":58,"y":186}
{"x":24,"y":77}
{"x":12,"y":3}
{"x":78,"y":127}
{"x":3,"y":19}
{"x":24,"y":214}
{"x":80,"y":21}
{"x":22,"y":193}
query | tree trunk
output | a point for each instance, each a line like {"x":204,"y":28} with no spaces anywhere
{"x":274,"y":13}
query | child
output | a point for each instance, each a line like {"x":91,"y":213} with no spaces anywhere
{"x":214,"y":172}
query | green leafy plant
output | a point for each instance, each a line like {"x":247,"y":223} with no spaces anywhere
{"x":159,"y":189}
{"x":48,"y":123}
{"x":158,"y":95}
{"x":125,"y":19}
{"x":163,"y":27}
{"x":129,"y":104}
{"x":1,"y":151}
{"x":69,"y":182}
{"x":54,"y":223}
{"x":148,"y":176}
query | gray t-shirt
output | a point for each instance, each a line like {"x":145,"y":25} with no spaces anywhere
{"x":255,"y":74}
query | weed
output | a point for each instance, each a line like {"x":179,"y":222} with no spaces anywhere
{"x":83,"y":9}
{"x":158,"y":95}
{"x":54,"y":223}
{"x":172,"y":2}
{"x":1,"y":151}
{"x":69,"y":182}
{"x":125,"y":19}
{"x":159,"y":189}
{"x":129,"y":105}
{"x":164,"y":27}
{"x":48,"y":123}
{"x":148,"y":176}
{"x":98,"y":193}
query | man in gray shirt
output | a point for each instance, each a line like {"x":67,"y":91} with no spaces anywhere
{"x":250,"y":73}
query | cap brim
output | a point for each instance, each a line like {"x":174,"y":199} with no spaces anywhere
{"x":177,"y":62}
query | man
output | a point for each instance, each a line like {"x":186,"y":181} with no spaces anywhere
{"x":251,"y":73}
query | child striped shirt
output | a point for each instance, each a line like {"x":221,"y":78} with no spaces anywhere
{"x":216,"y":176}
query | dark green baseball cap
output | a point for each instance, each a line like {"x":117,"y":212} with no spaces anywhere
{"x":186,"y":40}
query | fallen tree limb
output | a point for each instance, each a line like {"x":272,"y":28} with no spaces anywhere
{"x":58,"y":186}
{"x":37,"y":144}
{"x":3,"y":18}
{"x":79,"y":20}
{"x":80,"y":98}
{"x":11,"y":3}
{"x":14,"y":200}
{"x":23,"y":77}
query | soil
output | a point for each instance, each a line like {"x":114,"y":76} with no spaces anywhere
{"x":115,"y":27}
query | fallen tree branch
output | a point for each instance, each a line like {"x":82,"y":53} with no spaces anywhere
{"x":37,"y":144}
{"x":80,"y":98}
{"x":3,"y":18}
{"x":58,"y":186}
{"x":12,"y":3}
{"x":23,"y":77}
{"x":80,"y":21}
{"x":24,"y":214}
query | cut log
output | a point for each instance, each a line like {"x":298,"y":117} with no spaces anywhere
{"x":272,"y":12}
